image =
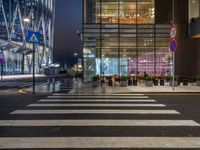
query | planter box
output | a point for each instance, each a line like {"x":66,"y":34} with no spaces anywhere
{"x":134,"y":82}
{"x":110,"y":83}
{"x":95,"y":84}
{"x":123,"y":83}
{"x":162,"y":82}
{"x":175,"y":83}
{"x":155,"y":82}
{"x":130,"y":82}
{"x":198,"y":83}
{"x":149,"y":83}
{"x":185,"y":82}
{"x":179,"y":83}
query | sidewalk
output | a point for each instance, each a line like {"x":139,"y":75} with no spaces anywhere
{"x":86,"y":88}
{"x":20,"y":77}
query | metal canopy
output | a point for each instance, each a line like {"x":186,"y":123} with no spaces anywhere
{"x":15,"y":48}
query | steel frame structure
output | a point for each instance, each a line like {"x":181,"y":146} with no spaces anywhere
{"x":43,"y":14}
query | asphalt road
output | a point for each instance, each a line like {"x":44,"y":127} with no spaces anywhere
{"x":84,"y":125}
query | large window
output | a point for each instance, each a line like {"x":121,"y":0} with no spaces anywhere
{"x":128,"y":12}
{"x":145,"y":12}
{"x":194,"y":10}
{"x":124,"y":11}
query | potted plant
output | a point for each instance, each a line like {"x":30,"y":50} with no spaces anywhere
{"x":162,"y":81}
{"x":155,"y":81}
{"x":149,"y":81}
{"x":123,"y":81}
{"x":116,"y":80}
{"x":185,"y":81}
{"x":198,"y":81}
{"x":95,"y":81}
{"x":175,"y":82}
{"x":110,"y":82}
{"x":130,"y":81}
{"x":134,"y":81}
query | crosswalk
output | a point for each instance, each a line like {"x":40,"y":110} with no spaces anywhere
{"x":63,"y":121}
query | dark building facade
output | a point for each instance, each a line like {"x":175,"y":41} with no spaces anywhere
{"x":19,"y":16}
{"x":131,"y":37}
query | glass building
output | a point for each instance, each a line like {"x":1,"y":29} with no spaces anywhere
{"x":16,"y":18}
{"x":126,"y":37}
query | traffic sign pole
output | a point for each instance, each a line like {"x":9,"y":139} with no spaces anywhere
{"x":173,"y":45}
{"x":33,"y":68}
{"x":34,"y":38}
{"x":173,"y":71}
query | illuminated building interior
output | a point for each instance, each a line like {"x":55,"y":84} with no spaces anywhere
{"x":121,"y":38}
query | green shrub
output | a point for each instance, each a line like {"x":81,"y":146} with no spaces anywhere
{"x":124,"y":78}
{"x":148,"y":78}
{"x":198,"y":78}
{"x":95,"y":78}
{"x":161,"y":78}
{"x":175,"y":78}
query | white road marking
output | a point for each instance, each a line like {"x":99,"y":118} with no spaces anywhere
{"x":96,"y":105}
{"x":100,"y":142}
{"x":98,"y":123}
{"x":103,"y":97}
{"x":63,"y":94}
{"x":91,"y":111}
{"x":97,"y":100}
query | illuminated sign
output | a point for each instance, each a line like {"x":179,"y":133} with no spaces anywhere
{"x":173,"y":45}
{"x":89,"y":56}
{"x":173,"y":32}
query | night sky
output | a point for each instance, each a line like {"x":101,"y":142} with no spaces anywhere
{"x":68,"y":20}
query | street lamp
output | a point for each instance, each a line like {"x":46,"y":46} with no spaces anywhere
{"x":30,"y":20}
{"x":27,"y":20}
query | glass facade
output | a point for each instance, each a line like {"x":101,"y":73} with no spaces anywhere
{"x":14,"y":63}
{"x":13,"y":29}
{"x":120,"y":37}
{"x":194,"y":10}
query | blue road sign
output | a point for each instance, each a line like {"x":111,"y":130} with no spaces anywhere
{"x":33,"y":37}
{"x":173,"y":45}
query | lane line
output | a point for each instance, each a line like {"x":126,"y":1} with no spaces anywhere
{"x":47,"y":123}
{"x":62,"y":94}
{"x":100,"y":142}
{"x":96,"y":100}
{"x":96,"y":105}
{"x":101,"y":97}
{"x":91,"y":111}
